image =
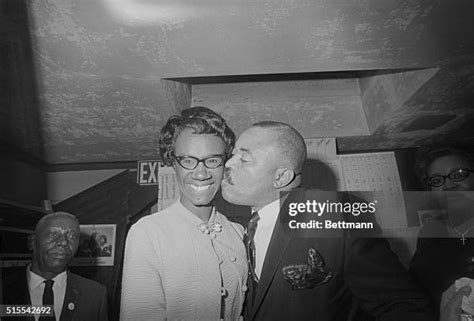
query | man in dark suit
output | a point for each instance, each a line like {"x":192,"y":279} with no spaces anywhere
{"x":46,"y":281}
{"x":308,"y":274}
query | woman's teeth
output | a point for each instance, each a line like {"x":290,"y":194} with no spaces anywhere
{"x":200,"y":188}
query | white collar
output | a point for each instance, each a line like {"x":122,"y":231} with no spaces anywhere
{"x":269,"y":214}
{"x":35,"y":280}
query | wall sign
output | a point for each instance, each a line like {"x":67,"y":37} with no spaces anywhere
{"x":147,"y":172}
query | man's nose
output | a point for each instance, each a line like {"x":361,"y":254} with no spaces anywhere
{"x":63,"y":240}
{"x":230,"y":161}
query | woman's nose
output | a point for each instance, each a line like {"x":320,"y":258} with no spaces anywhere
{"x":201,"y":172}
{"x":449,"y":185}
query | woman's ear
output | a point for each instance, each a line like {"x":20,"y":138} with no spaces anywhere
{"x":283,"y":177}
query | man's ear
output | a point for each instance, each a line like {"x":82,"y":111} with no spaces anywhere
{"x":283,"y":177}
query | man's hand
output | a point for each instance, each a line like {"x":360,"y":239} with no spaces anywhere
{"x":451,"y":301}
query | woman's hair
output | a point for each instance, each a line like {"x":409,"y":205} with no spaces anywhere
{"x":428,"y":153}
{"x":201,"y":120}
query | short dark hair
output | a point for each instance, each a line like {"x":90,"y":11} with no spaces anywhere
{"x":429,"y":152}
{"x":290,"y":142}
{"x":201,"y":120}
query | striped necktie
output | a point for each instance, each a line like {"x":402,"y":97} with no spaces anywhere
{"x":250,"y":247}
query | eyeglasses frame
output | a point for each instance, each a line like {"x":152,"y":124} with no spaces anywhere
{"x":202,"y":160}
{"x":444,"y":177}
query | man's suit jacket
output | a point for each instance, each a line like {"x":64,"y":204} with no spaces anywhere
{"x":366,"y":273}
{"x":84,"y":299}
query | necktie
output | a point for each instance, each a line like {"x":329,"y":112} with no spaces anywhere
{"x":250,"y":247}
{"x":48,"y":299}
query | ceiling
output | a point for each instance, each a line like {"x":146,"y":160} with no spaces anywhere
{"x":93,"y":81}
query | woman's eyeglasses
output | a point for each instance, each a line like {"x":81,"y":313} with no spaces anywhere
{"x":191,"y":162}
{"x":457,"y":175}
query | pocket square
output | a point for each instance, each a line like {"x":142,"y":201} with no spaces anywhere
{"x":307,"y":276}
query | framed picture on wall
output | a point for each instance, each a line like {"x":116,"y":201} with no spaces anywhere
{"x":96,"y":245}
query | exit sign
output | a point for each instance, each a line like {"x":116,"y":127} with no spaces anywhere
{"x":147,"y":172}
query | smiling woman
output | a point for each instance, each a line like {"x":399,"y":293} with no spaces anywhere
{"x":188,"y":261}
{"x":445,"y":246}
{"x":199,"y":170}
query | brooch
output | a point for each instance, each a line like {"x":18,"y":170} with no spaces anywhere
{"x":210,"y":227}
{"x":307,"y":276}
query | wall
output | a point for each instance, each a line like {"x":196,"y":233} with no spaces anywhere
{"x":21,"y":181}
{"x":62,"y":185}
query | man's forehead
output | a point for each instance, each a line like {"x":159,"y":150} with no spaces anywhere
{"x":62,"y":222}
{"x":255,"y":138}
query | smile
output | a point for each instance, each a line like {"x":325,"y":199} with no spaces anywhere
{"x":200,"y":188}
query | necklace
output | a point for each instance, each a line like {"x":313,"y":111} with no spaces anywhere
{"x":463,"y":239}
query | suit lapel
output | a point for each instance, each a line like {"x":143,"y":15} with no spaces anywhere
{"x":70,"y":298}
{"x":277,"y":247}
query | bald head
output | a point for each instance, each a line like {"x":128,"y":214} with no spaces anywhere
{"x":289,"y":143}
{"x":267,"y":160}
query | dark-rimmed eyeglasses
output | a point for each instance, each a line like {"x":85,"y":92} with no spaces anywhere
{"x":456,"y":175}
{"x":191,"y":162}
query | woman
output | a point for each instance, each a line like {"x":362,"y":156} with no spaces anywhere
{"x":445,"y":250}
{"x":187,"y":262}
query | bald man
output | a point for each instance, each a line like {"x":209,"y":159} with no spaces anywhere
{"x":308,"y":274}
{"x":47,"y":278}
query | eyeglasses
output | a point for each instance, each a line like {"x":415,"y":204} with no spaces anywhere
{"x":191,"y":162}
{"x":457,"y":175}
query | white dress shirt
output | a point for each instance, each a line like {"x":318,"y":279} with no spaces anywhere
{"x":36,"y":286}
{"x":265,"y":225}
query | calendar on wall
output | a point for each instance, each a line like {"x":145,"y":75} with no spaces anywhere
{"x":376,"y":173}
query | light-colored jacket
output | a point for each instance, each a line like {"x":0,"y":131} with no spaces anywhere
{"x":173,"y":270}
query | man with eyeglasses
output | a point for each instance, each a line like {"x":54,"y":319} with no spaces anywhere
{"x":445,"y":248}
{"x":47,"y":281}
